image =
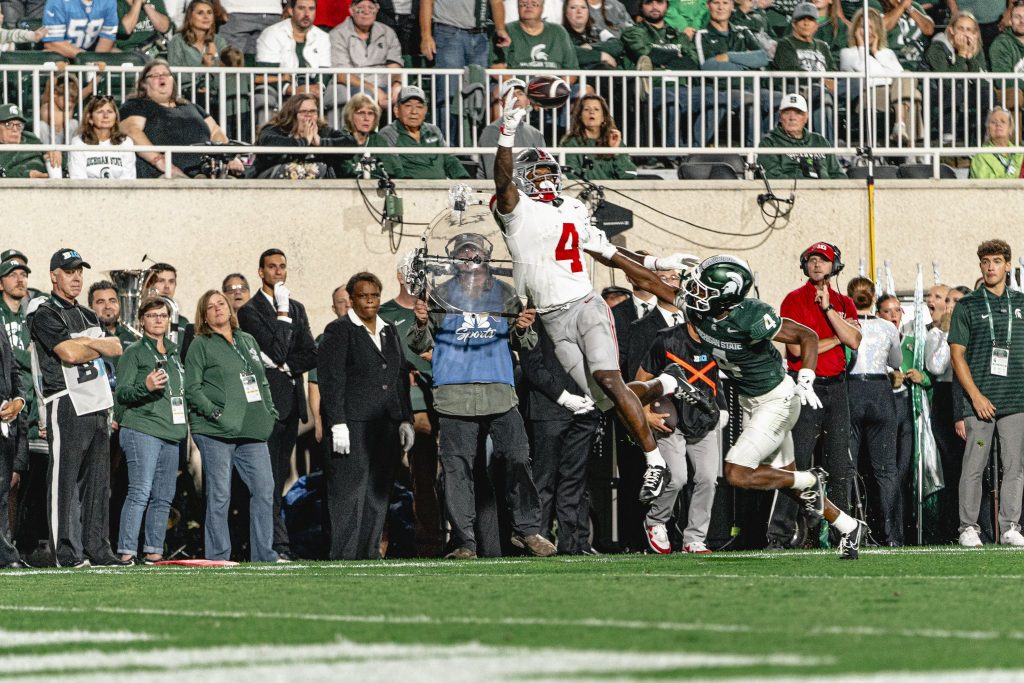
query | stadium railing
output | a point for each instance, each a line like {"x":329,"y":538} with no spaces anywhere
{"x":948,"y":109}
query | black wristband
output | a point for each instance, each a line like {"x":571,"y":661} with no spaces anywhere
{"x":830,"y":307}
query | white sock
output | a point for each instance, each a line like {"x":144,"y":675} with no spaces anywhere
{"x":654,"y":459}
{"x":845,"y":523}
{"x":669,"y":382}
{"x":803,"y":481}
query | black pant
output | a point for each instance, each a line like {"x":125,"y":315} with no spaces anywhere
{"x":8,"y":553}
{"x":827,"y":429}
{"x":951,"y":454}
{"x":281,"y":444}
{"x":462,"y":438}
{"x":904,"y":460}
{"x":561,"y":455}
{"x":358,"y":486}
{"x":873,"y":426}
{"x":80,"y":466}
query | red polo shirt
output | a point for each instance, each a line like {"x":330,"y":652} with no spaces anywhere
{"x":800,"y":307}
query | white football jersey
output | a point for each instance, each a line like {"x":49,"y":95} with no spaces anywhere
{"x":544,"y":241}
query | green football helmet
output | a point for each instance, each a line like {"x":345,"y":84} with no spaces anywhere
{"x":717,"y":284}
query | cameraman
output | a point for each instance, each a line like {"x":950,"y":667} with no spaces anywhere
{"x":792,"y":132}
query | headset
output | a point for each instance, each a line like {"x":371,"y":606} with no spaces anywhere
{"x":837,"y":264}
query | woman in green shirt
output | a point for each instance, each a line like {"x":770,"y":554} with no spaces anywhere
{"x":151,"y":413}
{"x":231,"y":414}
{"x":999,"y":133}
{"x":198,"y":45}
{"x":361,"y":119}
{"x":593,"y":126}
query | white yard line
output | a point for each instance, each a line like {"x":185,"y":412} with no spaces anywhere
{"x":10,"y":639}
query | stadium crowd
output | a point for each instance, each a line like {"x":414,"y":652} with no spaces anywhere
{"x":460,"y":434}
{"x":342,"y":37}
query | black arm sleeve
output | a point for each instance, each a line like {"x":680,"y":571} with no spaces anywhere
{"x":331,"y":361}
{"x":273,"y":336}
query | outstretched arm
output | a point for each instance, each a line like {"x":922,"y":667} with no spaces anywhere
{"x":504,"y":188}
{"x":638,"y":268}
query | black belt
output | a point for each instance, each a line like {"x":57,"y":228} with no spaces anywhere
{"x":478,"y":29}
{"x":822,"y":381}
{"x":869,"y":377}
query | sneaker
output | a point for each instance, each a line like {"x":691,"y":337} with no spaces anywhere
{"x":969,"y":538}
{"x":690,"y":394}
{"x":655,"y":479}
{"x":645,"y":64}
{"x":461,"y":554}
{"x":537,"y":545}
{"x":657,"y":538}
{"x":282,"y":559}
{"x":696,"y":548}
{"x":814,"y":497}
{"x":84,"y":564}
{"x":775,"y":545}
{"x":1012,"y":537}
{"x":849,"y":544}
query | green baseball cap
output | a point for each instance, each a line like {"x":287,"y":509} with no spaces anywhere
{"x":12,"y":253}
{"x":9,"y":266}
{"x":11,"y":111}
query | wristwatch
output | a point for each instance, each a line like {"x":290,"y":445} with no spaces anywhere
{"x":830,"y":307}
{"x":215,"y":415}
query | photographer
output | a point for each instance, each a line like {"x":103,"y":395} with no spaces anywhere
{"x":792,"y":133}
{"x":151,"y":411}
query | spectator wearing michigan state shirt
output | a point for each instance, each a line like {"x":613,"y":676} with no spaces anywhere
{"x":74,"y":26}
{"x":833,"y":317}
{"x":475,"y":396}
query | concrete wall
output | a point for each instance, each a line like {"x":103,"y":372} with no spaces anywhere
{"x":210,"y":228}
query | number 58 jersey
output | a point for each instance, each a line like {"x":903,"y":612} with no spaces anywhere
{"x":544,"y":241}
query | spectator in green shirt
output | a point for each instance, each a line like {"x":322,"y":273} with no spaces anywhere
{"x":410,"y":130}
{"x":592,"y":125}
{"x":12,"y":132}
{"x":990,"y":165}
{"x":958,"y":50}
{"x":139,"y":22}
{"x":591,"y":51}
{"x":536,"y":44}
{"x":197,"y":42}
{"x":1007,"y":56}
{"x":909,"y":29}
{"x":801,"y":51}
{"x":360,"y":119}
{"x":832,"y":26}
{"x":792,"y":133}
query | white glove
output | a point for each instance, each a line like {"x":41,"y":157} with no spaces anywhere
{"x":723,"y":418}
{"x":281,"y":296}
{"x":406,"y":436}
{"x":577,"y":404}
{"x":511,"y":117}
{"x":340,"y":439}
{"x":677,"y":261}
{"x":596,"y":242}
{"x":805,"y":389}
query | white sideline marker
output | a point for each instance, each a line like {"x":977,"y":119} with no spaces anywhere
{"x":9,"y":639}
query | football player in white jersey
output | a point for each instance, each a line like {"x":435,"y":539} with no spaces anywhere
{"x":543,"y":231}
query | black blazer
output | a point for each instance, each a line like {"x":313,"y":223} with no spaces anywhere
{"x":642,"y":334}
{"x":358,"y":382}
{"x":10,"y":387}
{"x":543,"y":380}
{"x":623,"y":313}
{"x":283,"y":342}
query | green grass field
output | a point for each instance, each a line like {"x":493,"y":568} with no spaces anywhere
{"x":800,"y":615}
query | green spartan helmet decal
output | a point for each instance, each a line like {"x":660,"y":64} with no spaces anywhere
{"x":718,"y":284}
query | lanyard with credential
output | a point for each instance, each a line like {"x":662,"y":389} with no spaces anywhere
{"x":245,"y":361}
{"x":170,"y":359}
{"x":1009,"y":319}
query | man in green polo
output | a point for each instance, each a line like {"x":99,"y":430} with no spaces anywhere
{"x":986,"y":345}
{"x":409,"y":129}
{"x":13,"y":132}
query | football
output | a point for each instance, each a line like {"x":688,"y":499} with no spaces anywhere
{"x":664,"y":405}
{"x":547,"y":92}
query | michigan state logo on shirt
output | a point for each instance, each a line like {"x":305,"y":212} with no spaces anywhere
{"x":539,"y":53}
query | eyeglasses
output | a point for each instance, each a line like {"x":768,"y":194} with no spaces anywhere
{"x":368,"y":297}
{"x":156,"y":316}
{"x":365,"y":10}
{"x":236,"y":288}
{"x":13,"y":125}
{"x":103,"y":99}
{"x":159,"y":76}
{"x":308,"y":112}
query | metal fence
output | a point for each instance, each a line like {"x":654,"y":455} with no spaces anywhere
{"x":658,"y":113}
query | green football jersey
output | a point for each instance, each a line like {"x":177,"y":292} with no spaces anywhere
{"x":741,"y":342}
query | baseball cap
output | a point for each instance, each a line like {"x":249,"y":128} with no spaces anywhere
{"x":470,"y":239}
{"x":615,"y":289}
{"x":510,"y":84}
{"x":411,"y":92}
{"x":8,"y":267}
{"x":823,"y":249}
{"x":793,"y":101}
{"x":804,"y":10}
{"x":12,"y":253}
{"x":67,"y":259}
{"x":9,"y":112}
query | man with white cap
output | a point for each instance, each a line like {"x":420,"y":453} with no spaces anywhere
{"x":792,"y":134}
{"x":409,"y":129}
{"x":526,"y":134}
{"x":801,"y":51}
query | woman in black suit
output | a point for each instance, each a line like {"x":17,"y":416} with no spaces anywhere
{"x":367,"y":419}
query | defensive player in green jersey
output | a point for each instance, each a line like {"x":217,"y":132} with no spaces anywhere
{"x":739,"y":333}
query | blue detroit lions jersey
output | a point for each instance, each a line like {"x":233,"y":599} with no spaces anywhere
{"x":80,"y":23}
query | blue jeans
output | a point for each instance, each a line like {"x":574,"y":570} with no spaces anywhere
{"x":252,"y":460}
{"x":152,"y":473}
{"x":456,"y":49}
{"x":700,"y":100}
